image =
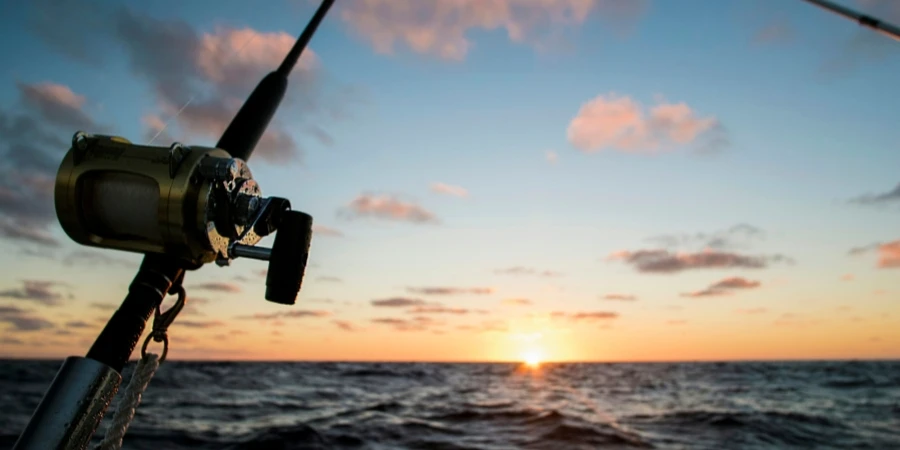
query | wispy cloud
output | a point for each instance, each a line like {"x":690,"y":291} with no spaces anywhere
{"x":437,"y":309}
{"x":398,"y":302}
{"x":449,"y":189}
{"x":892,"y":196}
{"x":551,"y":156}
{"x":620,"y":297}
{"x":664,"y":261}
{"x":440,"y":290}
{"x":321,"y":230}
{"x":329,"y":279}
{"x":439,"y":28}
{"x":517,"y":302}
{"x":413,"y":324}
{"x":737,"y":236}
{"x":584,"y":316}
{"x":620,"y":123}
{"x":23,"y":320}
{"x":750,"y":311}
{"x":519,"y":270}
{"x":777,"y":30}
{"x":724,"y":287}
{"x":388,"y":208}
{"x":95,"y":258}
{"x":198,"y":324}
{"x":293,"y":314}
{"x":36,"y":291}
{"x":345,"y":325}
{"x":218,"y":286}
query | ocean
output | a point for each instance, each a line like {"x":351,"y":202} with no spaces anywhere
{"x":281,"y":406}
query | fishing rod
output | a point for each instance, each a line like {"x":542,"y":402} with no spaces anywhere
{"x":879,"y":26}
{"x":182,"y":207}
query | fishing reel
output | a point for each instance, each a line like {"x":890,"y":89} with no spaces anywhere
{"x":197,"y":204}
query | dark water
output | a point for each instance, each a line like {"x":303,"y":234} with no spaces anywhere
{"x":497,"y":406}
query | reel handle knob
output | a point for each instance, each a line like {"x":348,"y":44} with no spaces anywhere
{"x":287,"y":262}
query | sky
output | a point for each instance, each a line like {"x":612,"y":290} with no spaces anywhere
{"x":568,"y":180}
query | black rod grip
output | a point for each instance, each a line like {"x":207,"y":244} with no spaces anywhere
{"x":289,"y":254}
{"x":118,"y":339}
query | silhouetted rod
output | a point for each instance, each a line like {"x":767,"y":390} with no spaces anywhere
{"x":884,"y":28}
{"x":248,"y":126}
{"x":291,"y":59}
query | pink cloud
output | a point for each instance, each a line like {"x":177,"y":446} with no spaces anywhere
{"x":234,"y":58}
{"x":326,"y":231}
{"x":889,"y":254}
{"x":439,"y":27}
{"x":387,"y":207}
{"x":620,"y":297}
{"x":551,"y":156}
{"x":724,"y":287}
{"x":449,"y":189}
{"x":57,"y":103}
{"x":620,"y":123}
{"x":517,"y":302}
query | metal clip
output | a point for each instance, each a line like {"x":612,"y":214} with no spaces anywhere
{"x":161,"y":322}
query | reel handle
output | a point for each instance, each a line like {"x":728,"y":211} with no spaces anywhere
{"x":287,"y":261}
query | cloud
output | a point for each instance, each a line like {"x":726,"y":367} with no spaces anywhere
{"x":439,"y":28}
{"x":777,"y":30}
{"x":883,"y":198}
{"x":94,"y":258}
{"x":36,"y":291}
{"x":23,"y":320}
{"x":449,"y":189}
{"x":294,"y":314}
{"x":551,"y":156}
{"x":620,"y":297}
{"x":724,"y":287}
{"x":210,"y":73}
{"x":345,"y":325}
{"x":398,"y":302}
{"x":517,"y":302}
{"x":888,"y":253}
{"x":199,"y":324}
{"x":9,"y":340}
{"x":847,"y":277}
{"x":620,"y":123}
{"x":17,"y":231}
{"x":78,"y":324}
{"x":413,"y":324}
{"x":737,"y":236}
{"x":519,"y":270}
{"x":438,"y":290}
{"x":57,"y":104}
{"x":437,"y":309}
{"x":106,"y":306}
{"x":388,"y":208}
{"x":218,"y":286}
{"x":319,"y":230}
{"x":663,"y":261}
{"x":36,"y":134}
{"x":591,"y":316}
{"x":330,"y":279}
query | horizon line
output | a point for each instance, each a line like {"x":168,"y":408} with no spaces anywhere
{"x":399,"y":361}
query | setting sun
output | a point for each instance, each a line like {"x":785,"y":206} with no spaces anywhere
{"x":532,"y":359}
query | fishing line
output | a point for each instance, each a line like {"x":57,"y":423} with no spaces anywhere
{"x":233,"y":54}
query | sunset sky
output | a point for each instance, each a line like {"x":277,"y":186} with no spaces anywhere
{"x":577,"y":179}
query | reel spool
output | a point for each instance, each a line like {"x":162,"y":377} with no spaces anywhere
{"x":197,"y":204}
